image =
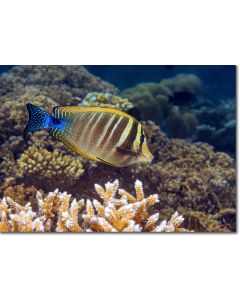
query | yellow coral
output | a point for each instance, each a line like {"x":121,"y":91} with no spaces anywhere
{"x":108,"y":100}
{"x":45,"y":164}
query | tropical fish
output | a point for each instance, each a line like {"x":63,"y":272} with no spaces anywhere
{"x":182,"y":98}
{"x":102,"y":134}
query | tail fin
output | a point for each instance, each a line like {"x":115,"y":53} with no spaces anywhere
{"x":38,"y":119}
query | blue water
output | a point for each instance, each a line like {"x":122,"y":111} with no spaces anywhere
{"x":219,"y":81}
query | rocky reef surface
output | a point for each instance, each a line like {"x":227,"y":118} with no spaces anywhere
{"x":190,"y":178}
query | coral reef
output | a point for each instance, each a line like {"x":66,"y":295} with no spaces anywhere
{"x":201,"y":222}
{"x":58,"y":212}
{"x":64,"y":84}
{"x":149,"y":97}
{"x":202,"y":120}
{"x":187,"y":177}
{"x":107,"y":100}
{"x":217,"y":125}
{"x":190,"y":178}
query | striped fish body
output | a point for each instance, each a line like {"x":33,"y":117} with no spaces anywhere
{"x":101,"y":134}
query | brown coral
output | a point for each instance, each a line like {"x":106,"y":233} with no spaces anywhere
{"x":64,"y":84}
{"x":202,"y":222}
{"x":148,"y":97}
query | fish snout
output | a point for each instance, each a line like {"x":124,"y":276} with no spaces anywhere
{"x":146,"y":158}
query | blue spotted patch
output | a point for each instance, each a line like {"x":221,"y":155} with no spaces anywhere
{"x":38,"y":119}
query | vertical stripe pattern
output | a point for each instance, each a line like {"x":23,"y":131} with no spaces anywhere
{"x":103,"y":135}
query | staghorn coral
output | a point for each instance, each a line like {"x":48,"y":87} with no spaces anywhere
{"x":58,"y":212}
{"x":53,"y":167}
{"x":127,"y":214}
{"x":107,"y":100}
{"x":18,"y":218}
{"x":149,"y":97}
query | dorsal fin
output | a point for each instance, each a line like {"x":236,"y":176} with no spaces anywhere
{"x":63,"y":111}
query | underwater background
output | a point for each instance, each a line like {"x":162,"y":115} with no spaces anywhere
{"x":189,"y":117}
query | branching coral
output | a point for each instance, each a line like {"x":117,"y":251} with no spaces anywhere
{"x":57,"y":212}
{"x":56,"y":168}
{"x":18,"y":218}
{"x":124,"y":214}
{"x":108,"y":100}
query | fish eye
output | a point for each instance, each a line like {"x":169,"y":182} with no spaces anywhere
{"x":56,"y":121}
{"x":142,"y":137}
